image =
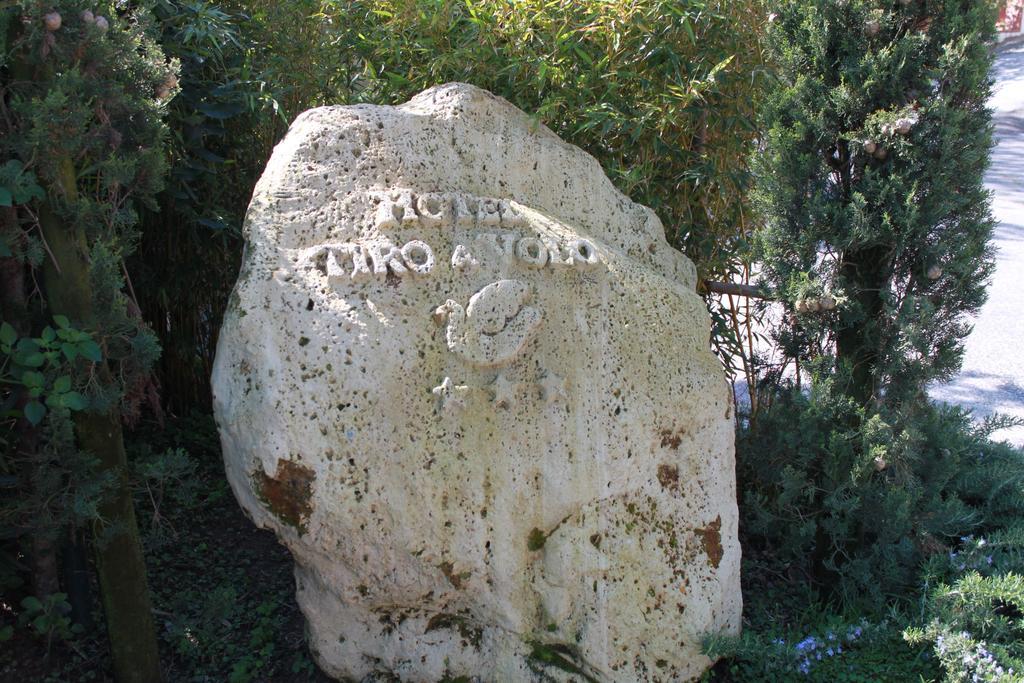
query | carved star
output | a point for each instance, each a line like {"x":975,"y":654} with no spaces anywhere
{"x":504,"y":391}
{"x":452,"y":395}
{"x":553,"y":387}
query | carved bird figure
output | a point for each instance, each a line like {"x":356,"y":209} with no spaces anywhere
{"x":494,"y":327}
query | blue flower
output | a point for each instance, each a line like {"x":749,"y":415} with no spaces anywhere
{"x":808,"y":643}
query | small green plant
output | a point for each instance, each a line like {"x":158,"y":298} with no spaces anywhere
{"x":302,"y":664}
{"x":18,"y":186}
{"x":535,"y":540}
{"x":48,"y":618}
{"x":168,"y":476}
{"x":43,"y":366}
{"x":558,"y":656}
{"x":262,"y":647}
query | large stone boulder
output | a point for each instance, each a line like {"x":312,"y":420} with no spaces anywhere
{"x":468,"y":384}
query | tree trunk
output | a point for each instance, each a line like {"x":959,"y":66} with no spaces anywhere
{"x":76,"y":578}
{"x":119,"y":561}
{"x":857,"y":344}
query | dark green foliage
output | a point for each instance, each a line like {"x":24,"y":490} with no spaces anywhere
{"x":876,"y":239}
{"x":929,"y":567}
{"x":38,"y":366}
{"x":82,"y":135}
{"x":857,"y":502}
{"x":17,"y":186}
{"x":48,"y":617}
{"x":224,"y":121}
{"x":110,"y":125}
{"x":59,"y":109}
{"x":870,"y":185}
{"x":910,"y":520}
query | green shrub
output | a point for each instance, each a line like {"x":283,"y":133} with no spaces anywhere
{"x":876,"y":240}
{"x":857,"y":502}
{"x":977,"y":628}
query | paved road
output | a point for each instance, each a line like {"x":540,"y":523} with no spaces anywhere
{"x":992,"y":379}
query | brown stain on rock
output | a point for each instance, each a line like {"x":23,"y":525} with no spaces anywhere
{"x":288,"y":494}
{"x":670,"y":439}
{"x":668,"y":476}
{"x":711,"y":541}
{"x":448,"y":569}
{"x":456,"y":580}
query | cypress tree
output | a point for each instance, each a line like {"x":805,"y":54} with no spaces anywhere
{"x":875,"y":238}
{"x":877,"y":224}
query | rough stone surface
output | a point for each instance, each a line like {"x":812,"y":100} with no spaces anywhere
{"x":468,"y":384}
